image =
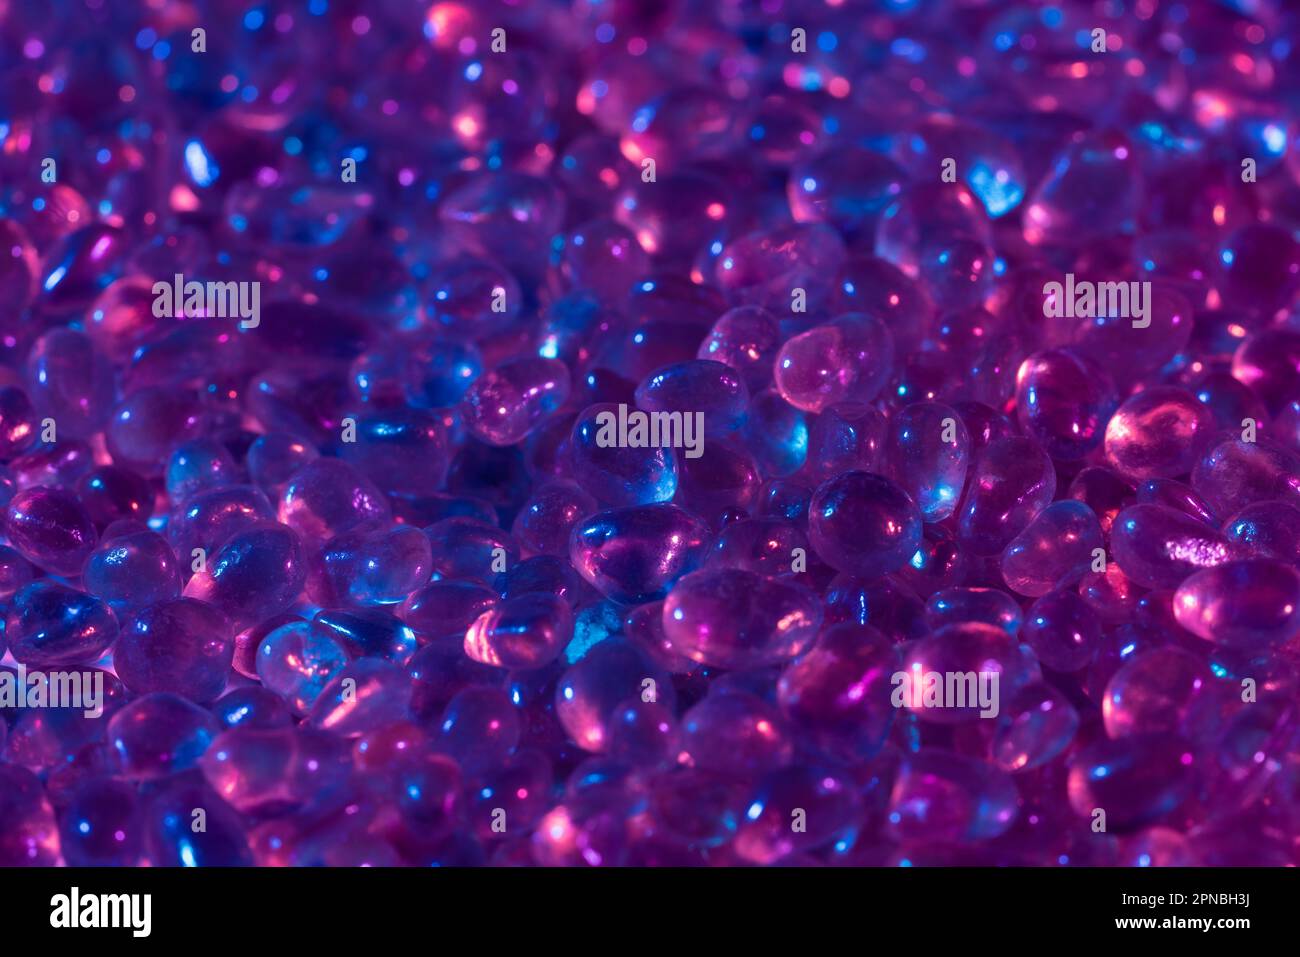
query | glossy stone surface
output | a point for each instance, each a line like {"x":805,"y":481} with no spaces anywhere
{"x":1253,"y":603}
{"x":675,"y":446}
{"x":731,"y":618}
{"x":864,"y":524}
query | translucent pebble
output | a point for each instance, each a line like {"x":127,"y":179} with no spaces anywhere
{"x":848,"y":188}
{"x":618,"y":474}
{"x":1136,"y":780}
{"x":182,"y":646}
{"x":1039,"y":724}
{"x":299,"y":397}
{"x":1269,"y":529}
{"x":377,"y":751}
{"x":400,"y":450}
{"x":1063,"y":630}
{"x":437,"y":674}
{"x":958,"y":272}
{"x":1061,"y":540}
{"x":30,"y":836}
{"x":170,"y":838}
{"x":375,"y":568}
{"x":257,"y":573}
{"x":593,"y":687}
{"x":297,"y":661}
{"x":1075,"y":203}
{"x":829,"y":801}
{"x":1159,"y":433}
{"x":578,"y":328}
{"x":1011,"y":482}
{"x":1110,"y":593}
{"x":984,"y":424}
{"x":1235,"y":474}
{"x":110,"y":494}
{"x":48,"y":623}
{"x":274,"y":457}
{"x":131,"y":571}
{"x":509,"y":401}
{"x":968,"y":648}
{"x":701,"y":386}
{"x":952,"y":606}
{"x":251,"y":706}
{"x":746,"y":339}
{"x":438,"y":373}
{"x":846,"y":359}
{"x":1155,"y":691}
{"x":157,"y":735}
{"x":70,"y":382}
{"x":697,"y":806}
{"x":873,"y":285}
{"x":51,"y":529}
{"x":735,"y":619}
{"x":735,"y":733}
{"x":1128,"y":354}
{"x":839,"y":690}
{"x":1250,"y":604}
{"x":374,"y":377}
{"x":929,"y":450}
{"x":847,"y":436}
{"x":544,"y":524}
{"x":444,"y":609}
{"x":196,"y":466}
{"x":1158,"y":547}
{"x":887,"y":604}
{"x":469,"y":548}
{"x":642,"y":734}
{"x":763,"y":545}
{"x":863,"y":524}
{"x":1064,"y":401}
{"x":940,"y":796}
{"x":368,"y":633}
{"x":923,"y":213}
{"x":604,"y":257}
{"x":1104,"y":491}
{"x":480,"y":728}
{"x":938,"y":563}
{"x":762,"y":268}
{"x":524,"y":632}
{"x":328,"y":497}
{"x":211,"y":518}
{"x":100,"y":827}
{"x":685,"y":122}
{"x":149,"y":423}
{"x":521,"y":786}
{"x":273,"y":770}
{"x":633,"y":555}
{"x":364,"y":695}
{"x":1176,"y":495}
{"x":725,"y":476}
